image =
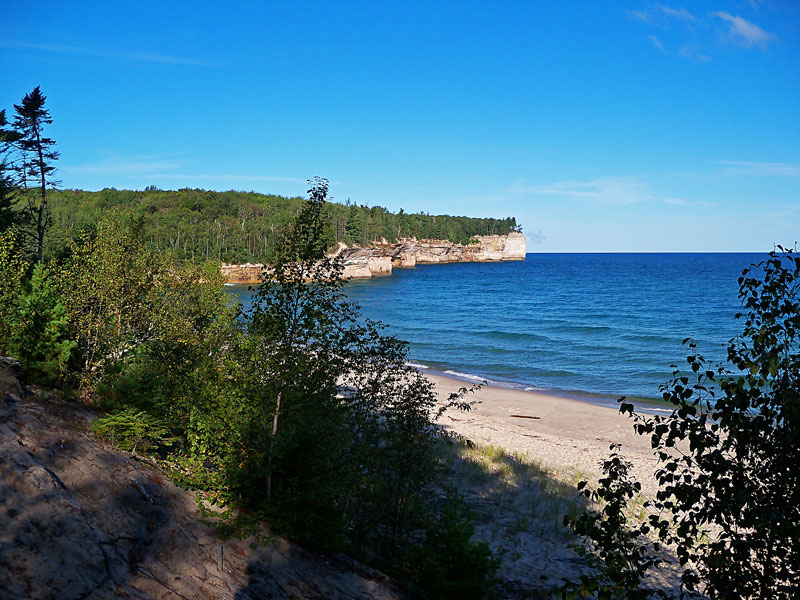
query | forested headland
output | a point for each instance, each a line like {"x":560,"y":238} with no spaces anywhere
{"x":237,"y":227}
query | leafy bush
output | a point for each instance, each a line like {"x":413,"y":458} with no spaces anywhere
{"x":143,"y":326}
{"x":729,"y":486}
{"x":134,"y":430}
{"x":110,"y":286}
{"x":12,"y":270}
{"x":448,"y":564}
{"x":619,"y":552}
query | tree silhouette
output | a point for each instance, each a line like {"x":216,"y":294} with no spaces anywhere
{"x":7,"y":136}
{"x":729,"y":487}
{"x":36,"y":160}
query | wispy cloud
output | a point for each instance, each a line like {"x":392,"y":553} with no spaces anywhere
{"x":678,"y":13}
{"x":778,"y":216}
{"x":227,"y":177}
{"x":127,"y":165}
{"x":656,"y":42}
{"x":691,"y":51}
{"x":761,"y":168}
{"x":161,"y":166}
{"x":608,"y":191}
{"x":684,"y":202}
{"x":639,"y":15}
{"x":744,"y":32}
{"x":147,"y":57}
{"x":661,"y":15}
{"x":694,"y":36}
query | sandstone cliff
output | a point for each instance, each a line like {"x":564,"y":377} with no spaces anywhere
{"x":80,"y":519}
{"x":380,"y":258}
{"x":246,"y":273}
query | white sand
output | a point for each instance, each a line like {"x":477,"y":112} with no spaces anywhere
{"x":569,"y":435}
{"x":569,"y":439}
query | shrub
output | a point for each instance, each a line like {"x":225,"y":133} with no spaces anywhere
{"x":729,"y":486}
{"x":619,"y":552}
{"x":38,"y":335}
{"x":448,"y":564}
{"x":12,"y":270}
{"x":133,"y":430}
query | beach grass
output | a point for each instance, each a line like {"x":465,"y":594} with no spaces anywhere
{"x":519,"y":504}
{"x":512,"y":493}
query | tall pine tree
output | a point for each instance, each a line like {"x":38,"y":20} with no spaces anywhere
{"x":7,"y":215}
{"x":36,"y":161}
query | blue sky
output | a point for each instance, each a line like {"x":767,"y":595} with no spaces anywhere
{"x":602,"y":126}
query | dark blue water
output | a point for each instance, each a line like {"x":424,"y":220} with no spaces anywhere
{"x":607,"y":324}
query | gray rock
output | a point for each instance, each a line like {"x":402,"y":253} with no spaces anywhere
{"x":80,"y":519}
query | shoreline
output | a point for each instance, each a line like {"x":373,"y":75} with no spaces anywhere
{"x":643,"y":404}
{"x":565,"y":440}
{"x":565,"y":434}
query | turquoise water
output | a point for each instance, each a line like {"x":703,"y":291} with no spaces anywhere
{"x":585,"y":324}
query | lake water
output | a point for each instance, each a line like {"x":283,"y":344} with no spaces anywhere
{"x":584,"y":324}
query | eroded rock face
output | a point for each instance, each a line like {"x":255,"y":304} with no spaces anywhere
{"x":380,"y":265}
{"x":355,"y":261}
{"x":80,"y":519}
{"x":381,"y":258}
{"x":249,"y":273}
{"x":515,"y":246}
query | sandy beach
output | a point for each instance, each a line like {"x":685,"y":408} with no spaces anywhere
{"x":564,"y":434}
{"x":520,"y":510}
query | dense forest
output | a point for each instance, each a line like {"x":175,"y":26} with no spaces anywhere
{"x":197,"y":225}
{"x":244,"y":406}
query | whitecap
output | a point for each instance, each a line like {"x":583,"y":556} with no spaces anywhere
{"x":465,"y":375}
{"x":416,"y":365}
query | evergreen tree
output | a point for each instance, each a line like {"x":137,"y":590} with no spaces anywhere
{"x":39,"y":329}
{"x":7,"y":216}
{"x":355,"y":226}
{"x":37,"y":158}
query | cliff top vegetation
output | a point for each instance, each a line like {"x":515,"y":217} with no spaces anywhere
{"x":235,"y":226}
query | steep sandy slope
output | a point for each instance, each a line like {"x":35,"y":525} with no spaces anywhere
{"x":80,"y":519}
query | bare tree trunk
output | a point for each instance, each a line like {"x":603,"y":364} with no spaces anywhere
{"x":268,"y":481}
{"x":40,"y":221}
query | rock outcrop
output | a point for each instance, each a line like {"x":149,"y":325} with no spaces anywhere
{"x":80,"y":519}
{"x":246,"y":273}
{"x":380,"y":258}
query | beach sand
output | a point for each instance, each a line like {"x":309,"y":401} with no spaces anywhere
{"x":522,"y":496}
{"x":566,"y":434}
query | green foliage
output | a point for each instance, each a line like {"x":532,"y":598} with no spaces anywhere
{"x":109,"y":283}
{"x":38,"y":335}
{"x":34,"y":166}
{"x":7,"y":214}
{"x":619,"y":551}
{"x":314,"y":422}
{"x":12,"y":270}
{"x":299,"y":412}
{"x":134,"y":430}
{"x":197,"y":225}
{"x":729,"y":487}
{"x":7,"y":188}
{"x":448,"y":564}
